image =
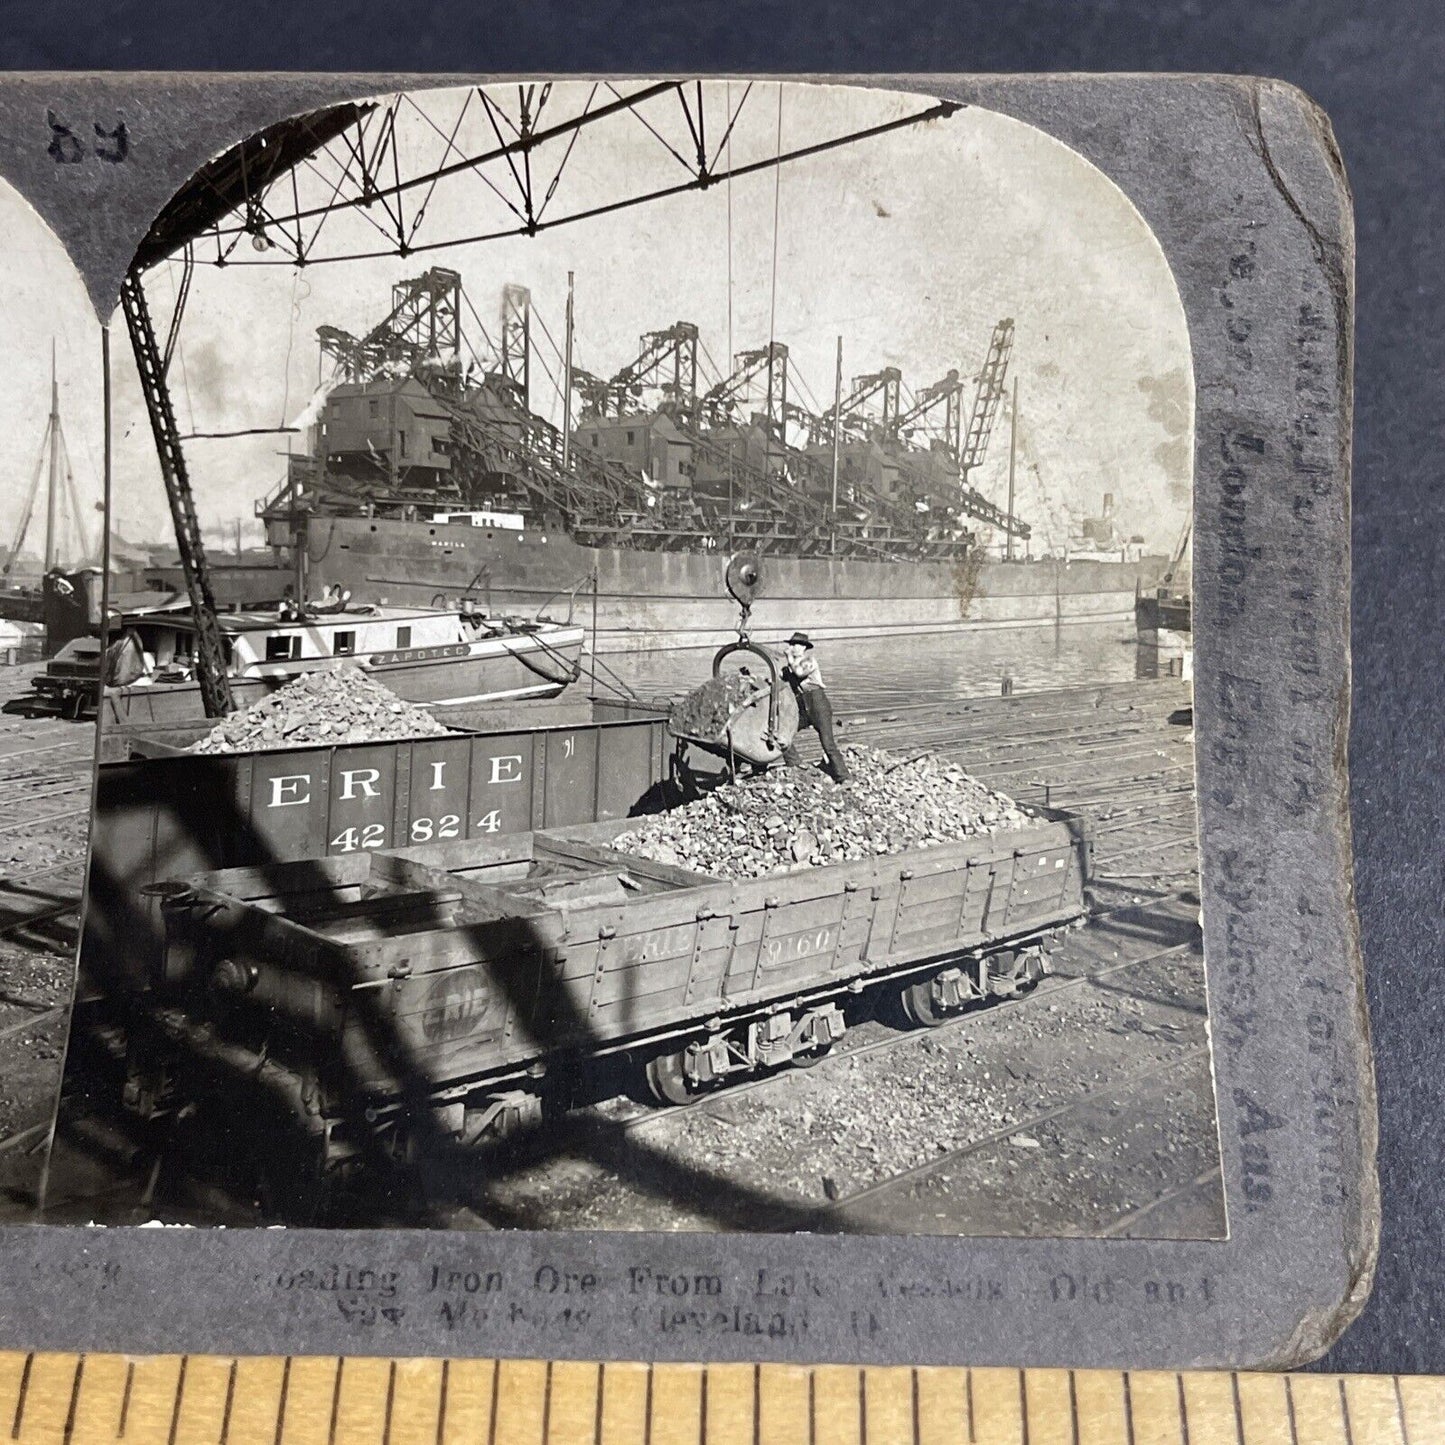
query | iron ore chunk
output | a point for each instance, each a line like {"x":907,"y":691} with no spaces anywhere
{"x":706,"y":710}
{"x":339,"y":706}
{"x":791,"y":818}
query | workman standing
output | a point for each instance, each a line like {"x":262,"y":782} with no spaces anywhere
{"x":803,"y":674}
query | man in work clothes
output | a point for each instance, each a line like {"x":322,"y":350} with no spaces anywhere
{"x":805,"y":677}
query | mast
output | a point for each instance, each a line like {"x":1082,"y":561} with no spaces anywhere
{"x":837,"y":425}
{"x":1013,"y":447}
{"x":567,"y":384}
{"x":53,"y":432}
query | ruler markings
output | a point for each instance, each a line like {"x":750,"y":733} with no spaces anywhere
{"x":624,"y":1410}
{"x":496,"y":1395}
{"x":676,"y":1403}
{"x":837,"y":1395}
{"x":890,"y":1404}
{"x":175,"y":1411}
{"x":281,"y":1404}
{"x":1371,"y":1403}
{"x":69,"y":1431}
{"x":19,"y":1416}
{"x":336,"y":1399}
{"x":47,"y":1384}
{"x":572,"y":1410}
{"x":202,"y":1416}
{"x":996,"y":1397}
{"x":1154,"y":1396}
{"x":442,"y":1402}
{"x":729,"y":1405}
{"x":1289,"y":1403}
{"x":1422,"y":1404}
{"x":1400,"y":1411}
{"x":230,"y":1401}
{"x":77,"y":1399}
{"x":129,"y":1384}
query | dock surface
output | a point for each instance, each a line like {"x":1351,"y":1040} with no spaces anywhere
{"x":45,"y":781}
{"x":1084,"y":1108}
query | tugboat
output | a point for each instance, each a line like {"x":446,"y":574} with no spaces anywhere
{"x":422,"y":654}
{"x":1164,"y":622}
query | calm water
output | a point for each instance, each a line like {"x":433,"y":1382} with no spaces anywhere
{"x":863,"y":673}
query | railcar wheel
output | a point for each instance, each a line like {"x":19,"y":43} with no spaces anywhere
{"x":1032,"y":969}
{"x":667,"y":1081}
{"x":917,"y":1005}
{"x":812,"y":1057}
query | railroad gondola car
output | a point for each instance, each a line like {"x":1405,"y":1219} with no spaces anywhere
{"x":390,"y":1000}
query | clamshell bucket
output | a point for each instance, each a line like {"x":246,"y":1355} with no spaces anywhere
{"x":757,"y":728}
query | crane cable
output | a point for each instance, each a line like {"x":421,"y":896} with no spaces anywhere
{"x":730,"y":226}
{"x":777,"y":194}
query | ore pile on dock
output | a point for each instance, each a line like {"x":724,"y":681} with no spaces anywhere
{"x":791,"y":818}
{"x":340,"y":706}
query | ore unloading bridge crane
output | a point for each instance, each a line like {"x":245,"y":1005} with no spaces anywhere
{"x":249,"y":193}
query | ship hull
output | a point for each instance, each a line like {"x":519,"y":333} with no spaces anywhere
{"x":641,"y":601}
{"x":490,"y":671}
{"x":1166,"y":637}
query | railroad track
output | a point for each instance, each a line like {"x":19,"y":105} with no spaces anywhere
{"x":681,"y":1140}
{"x":83,"y":750}
{"x":13,"y":825}
{"x":906,"y":1180}
{"x":22,"y":909}
{"x":33,"y":1020}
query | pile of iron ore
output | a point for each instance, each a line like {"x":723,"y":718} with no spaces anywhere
{"x":708,"y":709}
{"x":790,"y":818}
{"x":338,"y":706}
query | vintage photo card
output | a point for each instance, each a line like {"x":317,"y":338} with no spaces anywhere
{"x":637,"y":641}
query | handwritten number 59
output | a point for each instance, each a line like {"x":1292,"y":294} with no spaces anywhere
{"x":67,"y":149}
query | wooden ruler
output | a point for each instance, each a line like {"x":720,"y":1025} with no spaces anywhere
{"x":269,"y":1400}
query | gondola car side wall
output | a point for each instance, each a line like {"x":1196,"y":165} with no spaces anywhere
{"x":163,"y":817}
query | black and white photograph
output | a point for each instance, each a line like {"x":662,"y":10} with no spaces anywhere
{"x":638,"y":671}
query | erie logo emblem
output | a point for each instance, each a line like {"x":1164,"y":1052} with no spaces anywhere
{"x":455,"y":1007}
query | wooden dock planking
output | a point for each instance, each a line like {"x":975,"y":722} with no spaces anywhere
{"x":1110,"y":753}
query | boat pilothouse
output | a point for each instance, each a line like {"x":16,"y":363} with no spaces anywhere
{"x":441,"y":656}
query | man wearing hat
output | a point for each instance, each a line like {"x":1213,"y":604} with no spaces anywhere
{"x":802,"y":673}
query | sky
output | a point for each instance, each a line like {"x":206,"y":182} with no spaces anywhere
{"x":909,"y":246}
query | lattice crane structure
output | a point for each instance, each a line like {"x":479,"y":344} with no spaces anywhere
{"x":359,"y":180}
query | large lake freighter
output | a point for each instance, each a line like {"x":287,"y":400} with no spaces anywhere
{"x":430,"y":483}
